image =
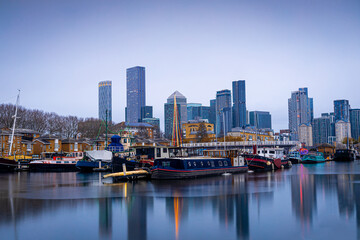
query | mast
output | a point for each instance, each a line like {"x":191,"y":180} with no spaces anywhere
{"x":106,"y":126}
{"x":13,"y":129}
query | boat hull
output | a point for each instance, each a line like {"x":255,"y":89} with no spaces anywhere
{"x":7,"y":165}
{"x":49,"y":167}
{"x":259,"y":164}
{"x":117,"y":164}
{"x":88,"y":166}
{"x":344,"y":156}
{"x":159,"y":173}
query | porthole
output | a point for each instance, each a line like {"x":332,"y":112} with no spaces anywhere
{"x":225,"y":163}
{"x":189,"y":163}
{"x":202,"y":164}
{"x":220,"y":163}
{"x":208,"y":163}
{"x":194,"y":164}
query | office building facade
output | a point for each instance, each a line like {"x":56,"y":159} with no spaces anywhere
{"x":239,"y":103}
{"x":300,"y":111}
{"x":321,"y":130}
{"x":223,"y":112}
{"x":355,"y":123}
{"x":105,"y":100}
{"x":135,"y":93}
{"x":260,"y":119}
{"x":169,"y":112}
{"x":342,"y":110}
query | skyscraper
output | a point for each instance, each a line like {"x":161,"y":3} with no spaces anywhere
{"x":135,"y":93}
{"x":321,"y":130}
{"x":355,"y":123}
{"x":146,"y":112}
{"x":239,"y":103}
{"x":223,"y":112}
{"x":193,"y":111}
{"x":300,"y":109}
{"x":212,"y":113}
{"x":341,"y":110}
{"x":169,"y":112}
{"x":105,"y":100}
{"x":260,"y":119}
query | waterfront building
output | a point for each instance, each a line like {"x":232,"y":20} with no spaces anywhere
{"x":169,"y":112}
{"x":140,"y":129}
{"x":146,"y":112}
{"x":191,"y":129}
{"x":250,"y":135}
{"x":305,"y":134}
{"x":300,"y":110}
{"x":212,"y":113}
{"x":321,"y":130}
{"x":105,"y":101}
{"x":260,"y":119}
{"x":135,"y":93}
{"x":342,"y":131}
{"x":223,"y":112}
{"x":239,"y":103}
{"x":153,"y":121}
{"x":342,"y":110}
{"x":355,"y":123}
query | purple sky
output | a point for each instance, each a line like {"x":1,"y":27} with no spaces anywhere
{"x":56,"y":52}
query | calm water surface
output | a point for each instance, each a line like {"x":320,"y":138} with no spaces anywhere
{"x":306,"y":202}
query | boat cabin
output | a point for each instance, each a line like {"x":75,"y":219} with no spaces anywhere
{"x":193,"y":163}
{"x":271,"y":152}
{"x":233,"y":154}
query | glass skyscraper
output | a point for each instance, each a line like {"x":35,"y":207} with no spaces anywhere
{"x":300,"y":110}
{"x":223,"y":112}
{"x":105,"y":100}
{"x":169,"y":112}
{"x":135,"y":93}
{"x":239,"y":103}
{"x":341,"y":110}
{"x":321,"y":130}
{"x":355,"y":123}
{"x":260,"y":119}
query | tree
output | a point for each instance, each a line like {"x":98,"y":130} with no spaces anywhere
{"x":201,"y":133}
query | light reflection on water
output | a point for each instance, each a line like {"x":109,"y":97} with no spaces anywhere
{"x":305,"y":202}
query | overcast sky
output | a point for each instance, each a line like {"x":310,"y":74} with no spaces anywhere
{"x":56,"y":52}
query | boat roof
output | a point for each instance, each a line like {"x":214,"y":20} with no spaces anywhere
{"x":194,"y":158}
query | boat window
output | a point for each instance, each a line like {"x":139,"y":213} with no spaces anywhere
{"x":220,"y":163}
{"x":58,"y":161}
{"x":158,"y":153}
{"x":202,"y":164}
{"x":212,"y":164}
{"x":194,"y":163}
{"x":166,"y":164}
{"x":208,"y":163}
{"x":225,"y":163}
{"x":272,"y":152}
{"x":189,"y":164}
{"x":164,"y":150}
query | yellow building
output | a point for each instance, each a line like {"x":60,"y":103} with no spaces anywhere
{"x":46,"y":144}
{"x":191,"y":131}
{"x":248,"y":135}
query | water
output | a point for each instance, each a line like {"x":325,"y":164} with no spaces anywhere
{"x":306,"y":202}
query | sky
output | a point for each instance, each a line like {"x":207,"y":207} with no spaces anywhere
{"x":57,"y":52}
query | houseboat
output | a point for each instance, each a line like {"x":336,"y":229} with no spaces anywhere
{"x":294,"y":157}
{"x":344,"y":155}
{"x":56,"y":162}
{"x":95,"y":159}
{"x":192,"y":167}
{"x":313,"y":157}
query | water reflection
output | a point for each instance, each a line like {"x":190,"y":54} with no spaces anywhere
{"x":244,"y":206}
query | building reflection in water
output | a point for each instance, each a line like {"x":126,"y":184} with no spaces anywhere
{"x":105,"y":218}
{"x":303,"y":197}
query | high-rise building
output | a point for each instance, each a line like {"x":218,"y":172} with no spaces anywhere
{"x":260,"y":119}
{"x":305,"y":134}
{"x":105,"y":101}
{"x":205,"y":112}
{"x":169,"y":112}
{"x":355,"y":123}
{"x":342,"y":110}
{"x":321,"y":130}
{"x":342,"y":131}
{"x":223,"y":112}
{"x":212,"y":113}
{"x":239,"y":103}
{"x":300,"y":108}
{"x":135,"y":93}
{"x":193,"y":111}
{"x":146,"y":112}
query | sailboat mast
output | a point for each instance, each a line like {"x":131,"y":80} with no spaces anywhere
{"x":14,"y":124}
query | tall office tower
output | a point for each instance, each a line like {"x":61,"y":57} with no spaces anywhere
{"x":300,"y":108}
{"x":105,"y":100}
{"x":305,"y":134}
{"x":193,"y":111}
{"x":146,"y":112}
{"x":355,"y":123}
{"x":212,"y":113}
{"x":332,"y":135}
{"x":321,"y":130}
{"x":223,"y":112}
{"x":341,"y":110}
{"x":169,"y":112}
{"x":239,"y":103}
{"x":342,"y":131}
{"x":135,"y":93}
{"x":205,"y":112}
{"x":260,"y":119}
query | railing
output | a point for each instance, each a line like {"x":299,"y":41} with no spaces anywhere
{"x":242,"y":144}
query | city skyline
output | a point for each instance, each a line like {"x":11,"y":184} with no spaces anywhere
{"x":195,"y":48}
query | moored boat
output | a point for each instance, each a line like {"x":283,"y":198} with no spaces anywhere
{"x":294,"y":157}
{"x":344,"y":155}
{"x":313,"y":157}
{"x":95,"y":159}
{"x":7,"y":165}
{"x":193,"y":167}
{"x":56,"y":162}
